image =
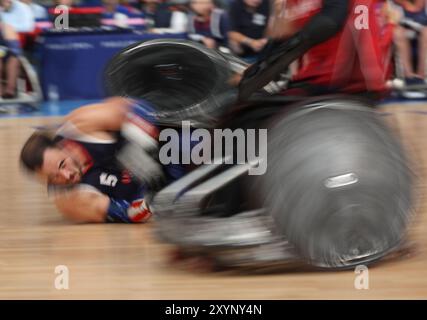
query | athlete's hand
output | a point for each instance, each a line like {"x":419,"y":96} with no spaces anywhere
{"x":139,"y":212}
{"x":279,"y":26}
{"x":235,"y":79}
{"x":274,"y":59}
{"x":258,"y":45}
{"x":391,"y":14}
{"x":209,"y":43}
{"x":143,"y":164}
{"x":140,"y":154}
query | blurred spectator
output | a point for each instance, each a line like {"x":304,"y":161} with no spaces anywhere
{"x":150,"y":11}
{"x":158,"y":15}
{"x":131,"y":3}
{"x":208,"y":24}
{"x":248,"y":23}
{"x":18,"y":15}
{"x":388,"y":17}
{"x":39,"y":12}
{"x":68,"y":3}
{"x":120,"y":14}
{"x":90,"y":3}
{"x":415,"y":18}
{"x":9,"y":64}
{"x":112,"y":7}
{"x":224,"y":4}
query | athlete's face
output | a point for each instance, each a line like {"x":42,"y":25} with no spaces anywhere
{"x":110,"y":2}
{"x":68,"y":3}
{"x":253,"y":3}
{"x":202,"y":7}
{"x":59,"y":168}
{"x":6,"y":4}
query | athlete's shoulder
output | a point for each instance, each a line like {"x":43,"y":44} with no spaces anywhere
{"x":70,"y":131}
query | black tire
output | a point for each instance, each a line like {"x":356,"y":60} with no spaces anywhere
{"x":183,"y":80}
{"x":337,"y":183}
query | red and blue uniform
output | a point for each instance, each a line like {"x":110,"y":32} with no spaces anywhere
{"x":103,"y":173}
{"x":356,"y":59}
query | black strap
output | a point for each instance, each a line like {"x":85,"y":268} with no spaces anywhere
{"x":278,"y":55}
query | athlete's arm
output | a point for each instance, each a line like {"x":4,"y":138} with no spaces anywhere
{"x":100,"y":118}
{"x":280,"y":54}
{"x":87,"y":205}
{"x":414,"y":6}
{"x":240,"y":39}
{"x":82,"y":206}
{"x":11,"y":39}
{"x":326,"y":23}
{"x":8,"y":32}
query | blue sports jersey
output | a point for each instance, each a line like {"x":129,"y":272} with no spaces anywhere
{"x":104,"y":172}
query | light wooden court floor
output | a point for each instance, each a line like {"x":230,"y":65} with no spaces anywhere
{"x":126,"y":262}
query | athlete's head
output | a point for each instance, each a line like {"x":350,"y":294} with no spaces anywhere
{"x":150,"y":1}
{"x":68,"y":3}
{"x":112,"y":3}
{"x":202,"y":8}
{"x":252,"y":3}
{"x":50,"y":161}
{"x":6,"y":4}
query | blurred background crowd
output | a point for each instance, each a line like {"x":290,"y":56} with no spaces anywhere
{"x":64,"y":58}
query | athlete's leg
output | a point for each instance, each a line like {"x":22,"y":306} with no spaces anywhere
{"x":422,"y":53}
{"x":12,"y":71}
{"x":404,"y":51}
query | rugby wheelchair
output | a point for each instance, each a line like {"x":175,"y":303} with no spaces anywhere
{"x":28,"y":91}
{"x":337,"y":192}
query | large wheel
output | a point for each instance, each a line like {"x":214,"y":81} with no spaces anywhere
{"x":183,"y":80}
{"x":337,"y":184}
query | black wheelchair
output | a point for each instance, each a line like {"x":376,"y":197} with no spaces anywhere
{"x":29,"y":93}
{"x":338,"y":190}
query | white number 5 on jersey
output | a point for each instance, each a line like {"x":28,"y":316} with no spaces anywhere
{"x":106,"y":179}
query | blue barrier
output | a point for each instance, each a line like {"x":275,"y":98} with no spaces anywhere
{"x":72,"y":65}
